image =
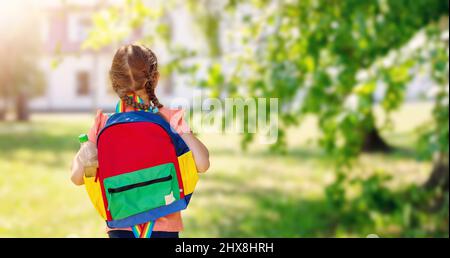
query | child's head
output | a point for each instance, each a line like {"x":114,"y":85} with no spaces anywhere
{"x":134,"y":70}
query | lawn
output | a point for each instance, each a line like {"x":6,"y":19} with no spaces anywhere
{"x":245,"y":194}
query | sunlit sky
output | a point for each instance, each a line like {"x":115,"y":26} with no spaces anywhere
{"x":13,"y":12}
{"x":10,"y":12}
{"x":17,"y":5}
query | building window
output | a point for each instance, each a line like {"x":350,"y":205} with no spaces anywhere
{"x":83,"y":84}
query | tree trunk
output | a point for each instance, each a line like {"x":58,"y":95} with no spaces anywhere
{"x":22,"y":111}
{"x":439,"y":176}
{"x":374,"y":143}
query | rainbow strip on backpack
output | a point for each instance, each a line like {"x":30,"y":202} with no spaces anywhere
{"x":143,"y":230}
{"x":121,"y":106}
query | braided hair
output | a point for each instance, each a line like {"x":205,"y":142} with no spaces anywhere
{"x":135,"y":68}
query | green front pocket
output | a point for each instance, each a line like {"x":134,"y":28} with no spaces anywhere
{"x":132,"y":193}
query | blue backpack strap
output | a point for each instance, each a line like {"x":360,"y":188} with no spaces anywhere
{"x":142,"y":116}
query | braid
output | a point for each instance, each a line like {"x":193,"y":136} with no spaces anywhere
{"x":152,"y":96}
{"x":152,"y":78}
{"x":129,"y":101}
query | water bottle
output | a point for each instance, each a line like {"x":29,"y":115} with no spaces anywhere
{"x":88,"y":156}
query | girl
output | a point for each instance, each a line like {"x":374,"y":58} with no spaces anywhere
{"x":134,"y":76}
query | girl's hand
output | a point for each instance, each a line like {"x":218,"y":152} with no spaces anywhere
{"x":77,"y":170}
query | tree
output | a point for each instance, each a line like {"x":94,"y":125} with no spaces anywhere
{"x":328,"y":58}
{"x":332,"y":55}
{"x":20,"y":76}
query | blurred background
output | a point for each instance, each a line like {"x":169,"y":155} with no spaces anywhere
{"x":362,"y":88}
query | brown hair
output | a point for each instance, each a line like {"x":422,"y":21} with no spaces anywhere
{"x":135,"y":68}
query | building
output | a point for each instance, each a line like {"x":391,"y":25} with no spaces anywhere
{"x":77,"y":80}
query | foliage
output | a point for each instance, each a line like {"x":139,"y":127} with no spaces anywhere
{"x":117,"y":24}
{"x":435,"y":135}
{"x":330,"y":56}
{"x":377,"y":206}
{"x":326,"y":58}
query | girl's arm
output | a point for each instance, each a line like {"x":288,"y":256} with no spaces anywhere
{"x":199,"y":151}
{"x":77,"y":171}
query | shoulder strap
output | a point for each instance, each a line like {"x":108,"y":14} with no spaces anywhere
{"x":121,"y":105}
{"x":141,"y":116}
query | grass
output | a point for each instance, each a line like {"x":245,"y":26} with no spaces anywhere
{"x":245,"y":194}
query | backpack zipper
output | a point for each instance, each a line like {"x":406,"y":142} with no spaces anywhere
{"x":142,"y":184}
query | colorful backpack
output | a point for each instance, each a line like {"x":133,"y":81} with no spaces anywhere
{"x":146,"y":171}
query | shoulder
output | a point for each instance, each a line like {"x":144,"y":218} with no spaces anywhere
{"x":175,"y":117}
{"x":101,"y":118}
{"x":170,"y":114}
{"x":99,"y":123}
